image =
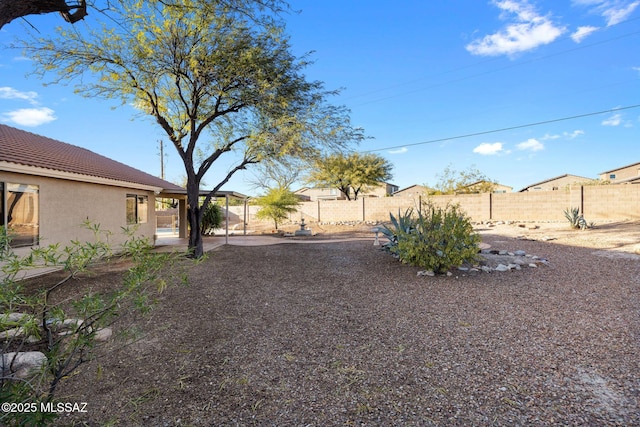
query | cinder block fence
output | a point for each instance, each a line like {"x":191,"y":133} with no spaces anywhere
{"x":605,"y":203}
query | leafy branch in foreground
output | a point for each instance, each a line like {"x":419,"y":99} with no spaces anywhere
{"x":45,"y":336}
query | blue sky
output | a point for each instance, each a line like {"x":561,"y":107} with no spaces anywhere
{"x":418,"y":77}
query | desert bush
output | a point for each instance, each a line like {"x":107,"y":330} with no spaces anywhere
{"x":434,"y":238}
{"x":211,"y":218}
{"x":66,"y":333}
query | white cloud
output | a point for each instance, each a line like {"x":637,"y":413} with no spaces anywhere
{"x":614,"y":120}
{"x":572,"y":135}
{"x":567,"y":135}
{"x":531,"y":144}
{"x":582,"y":32}
{"x":488,"y":149}
{"x":613,"y":11}
{"x":11,"y":93}
{"x":527,"y":31}
{"x":618,"y":13}
{"x":29,"y":116}
{"x":399,"y":150}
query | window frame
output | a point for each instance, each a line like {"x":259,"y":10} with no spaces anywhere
{"x":22,"y":240}
{"x":138,"y":211}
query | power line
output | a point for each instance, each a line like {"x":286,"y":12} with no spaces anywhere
{"x":484,"y":73}
{"x":486,"y":132}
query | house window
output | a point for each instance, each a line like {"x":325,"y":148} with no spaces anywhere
{"x":19,"y":213}
{"x":612,"y":176}
{"x":137,"y":209}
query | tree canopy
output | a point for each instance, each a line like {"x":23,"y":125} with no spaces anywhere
{"x":470,"y":180}
{"x":350,"y":173}
{"x":214,"y":79}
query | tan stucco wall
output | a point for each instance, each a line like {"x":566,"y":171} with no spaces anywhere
{"x":65,"y":205}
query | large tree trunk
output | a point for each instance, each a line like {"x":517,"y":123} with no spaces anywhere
{"x":13,"y":9}
{"x":193,"y":216}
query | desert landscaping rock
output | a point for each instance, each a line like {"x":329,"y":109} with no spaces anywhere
{"x":21,"y":364}
{"x":103,"y":334}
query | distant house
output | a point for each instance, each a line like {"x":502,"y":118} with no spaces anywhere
{"x":383,"y":189}
{"x":474,"y":188}
{"x":625,"y":175}
{"x":318,"y":193}
{"x":324,"y":193}
{"x":49,"y":189}
{"x":481,"y":186}
{"x":411,"y":191}
{"x":559,"y":182}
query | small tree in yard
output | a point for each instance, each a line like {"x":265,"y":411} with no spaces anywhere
{"x":277,"y":204}
{"x":61,"y":334}
{"x":435,"y":238}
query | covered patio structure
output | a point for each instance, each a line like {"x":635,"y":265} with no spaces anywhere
{"x":181,"y":196}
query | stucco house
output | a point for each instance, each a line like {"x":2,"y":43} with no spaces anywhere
{"x":411,"y":191}
{"x":311,"y":194}
{"x":482,"y":186}
{"x":48,"y":189}
{"x":559,"y":182}
{"x":384,"y":189}
{"x":629,"y":174}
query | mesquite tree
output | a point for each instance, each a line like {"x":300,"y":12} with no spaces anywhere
{"x":217,"y":81}
{"x":350,"y":173}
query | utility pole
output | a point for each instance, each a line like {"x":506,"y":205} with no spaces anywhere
{"x":161,"y":159}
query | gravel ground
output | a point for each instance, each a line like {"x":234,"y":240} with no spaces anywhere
{"x":343,"y":334}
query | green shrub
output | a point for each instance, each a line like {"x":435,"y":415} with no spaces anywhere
{"x":435,"y":238}
{"x":211,"y":218}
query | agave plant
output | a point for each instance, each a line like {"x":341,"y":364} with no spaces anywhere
{"x":575,"y":218}
{"x":403,"y":223}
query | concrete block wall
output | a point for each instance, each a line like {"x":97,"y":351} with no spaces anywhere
{"x":530,"y":206}
{"x":612,"y":202}
{"x":598,"y":203}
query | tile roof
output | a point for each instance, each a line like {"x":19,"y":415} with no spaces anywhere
{"x":28,"y":149}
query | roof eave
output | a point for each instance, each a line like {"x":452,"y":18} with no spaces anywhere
{"x":52,"y":173}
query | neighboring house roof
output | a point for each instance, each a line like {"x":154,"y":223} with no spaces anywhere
{"x":49,"y":157}
{"x":632,"y":180}
{"x":617,"y":169}
{"x":580,"y":179}
{"x":416,"y":186}
{"x":483,"y":181}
